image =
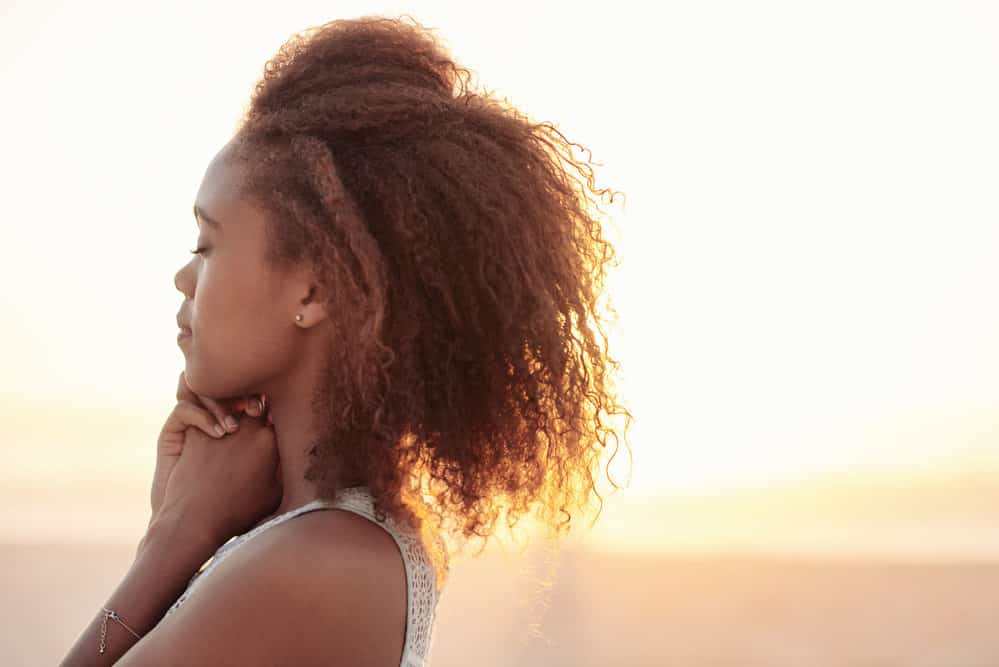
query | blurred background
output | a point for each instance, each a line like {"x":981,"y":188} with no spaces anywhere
{"x":808,"y":332}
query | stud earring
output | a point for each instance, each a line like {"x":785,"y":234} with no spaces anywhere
{"x":298,"y":318}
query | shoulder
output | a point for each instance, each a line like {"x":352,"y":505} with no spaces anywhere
{"x":326,"y":587}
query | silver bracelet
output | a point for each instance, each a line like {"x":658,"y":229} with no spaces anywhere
{"x":104,"y":626}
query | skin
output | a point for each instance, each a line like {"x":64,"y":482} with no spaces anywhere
{"x":328,"y":587}
{"x":245,"y":340}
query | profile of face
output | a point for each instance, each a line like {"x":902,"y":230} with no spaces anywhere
{"x":240,"y":312}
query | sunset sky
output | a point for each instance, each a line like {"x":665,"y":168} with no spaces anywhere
{"x":809,"y":245}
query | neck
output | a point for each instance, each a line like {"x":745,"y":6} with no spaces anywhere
{"x":290,"y":405}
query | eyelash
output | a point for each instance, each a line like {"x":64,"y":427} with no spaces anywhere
{"x":198,"y":250}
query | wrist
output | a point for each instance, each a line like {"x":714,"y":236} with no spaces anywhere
{"x":171,"y":529}
{"x":169,"y":554}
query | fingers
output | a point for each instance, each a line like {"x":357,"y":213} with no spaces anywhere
{"x":221,"y":414}
{"x":224,"y":411}
{"x":188,"y":414}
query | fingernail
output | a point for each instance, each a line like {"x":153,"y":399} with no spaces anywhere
{"x":219,"y":429}
{"x":230,"y":422}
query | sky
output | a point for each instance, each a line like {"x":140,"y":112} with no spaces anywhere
{"x":808,"y":243}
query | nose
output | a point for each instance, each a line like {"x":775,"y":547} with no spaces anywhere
{"x":182,"y":281}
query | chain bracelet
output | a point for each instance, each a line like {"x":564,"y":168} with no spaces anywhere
{"x":108,"y":613}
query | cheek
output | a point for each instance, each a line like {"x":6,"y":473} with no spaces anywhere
{"x":235,"y":331}
{"x":237,"y":336}
{"x":212,"y":323}
{"x":216,"y":302}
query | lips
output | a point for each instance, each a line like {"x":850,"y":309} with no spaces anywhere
{"x":183,"y":335}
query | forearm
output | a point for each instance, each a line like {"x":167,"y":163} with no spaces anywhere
{"x":166,"y":559}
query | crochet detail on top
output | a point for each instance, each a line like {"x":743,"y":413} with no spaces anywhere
{"x":423,"y":589}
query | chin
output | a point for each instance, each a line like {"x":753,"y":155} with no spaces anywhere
{"x":217,"y":381}
{"x":196,"y":380}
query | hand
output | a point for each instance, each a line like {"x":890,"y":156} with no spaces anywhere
{"x":193,"y":410}
{"x":223,"y":486}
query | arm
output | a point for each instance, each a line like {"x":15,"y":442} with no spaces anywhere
{"x":166,"y":559}
{"x":319,"y":590}
{"x":205,"y":486}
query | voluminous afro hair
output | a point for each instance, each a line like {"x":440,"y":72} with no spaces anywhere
{"x":461,"y":262}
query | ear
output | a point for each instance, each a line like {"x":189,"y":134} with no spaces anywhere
{"x":311,"y":308}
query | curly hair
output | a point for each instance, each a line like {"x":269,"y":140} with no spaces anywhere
{"x":461,"y":262}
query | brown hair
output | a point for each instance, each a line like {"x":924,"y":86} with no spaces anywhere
{"x":461,"y":262}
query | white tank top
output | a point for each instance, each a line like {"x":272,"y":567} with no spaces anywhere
{"x":422,"y":588}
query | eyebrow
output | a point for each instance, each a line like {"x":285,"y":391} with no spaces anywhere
{"x":199,"y":213}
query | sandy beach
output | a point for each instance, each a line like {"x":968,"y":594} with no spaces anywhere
{"x":603,"y":609}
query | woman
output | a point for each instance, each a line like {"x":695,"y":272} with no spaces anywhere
{"x":389,"y":313}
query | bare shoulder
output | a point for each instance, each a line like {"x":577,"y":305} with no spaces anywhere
{"x":326,"y":587}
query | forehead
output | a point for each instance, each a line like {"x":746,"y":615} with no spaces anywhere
{"x":221,"y":183}
{"x":223,"y":197}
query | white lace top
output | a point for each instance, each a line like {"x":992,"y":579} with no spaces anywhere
{"x":422,"y":588}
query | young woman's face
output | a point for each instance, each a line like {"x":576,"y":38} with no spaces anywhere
{"x":240,"y":313}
